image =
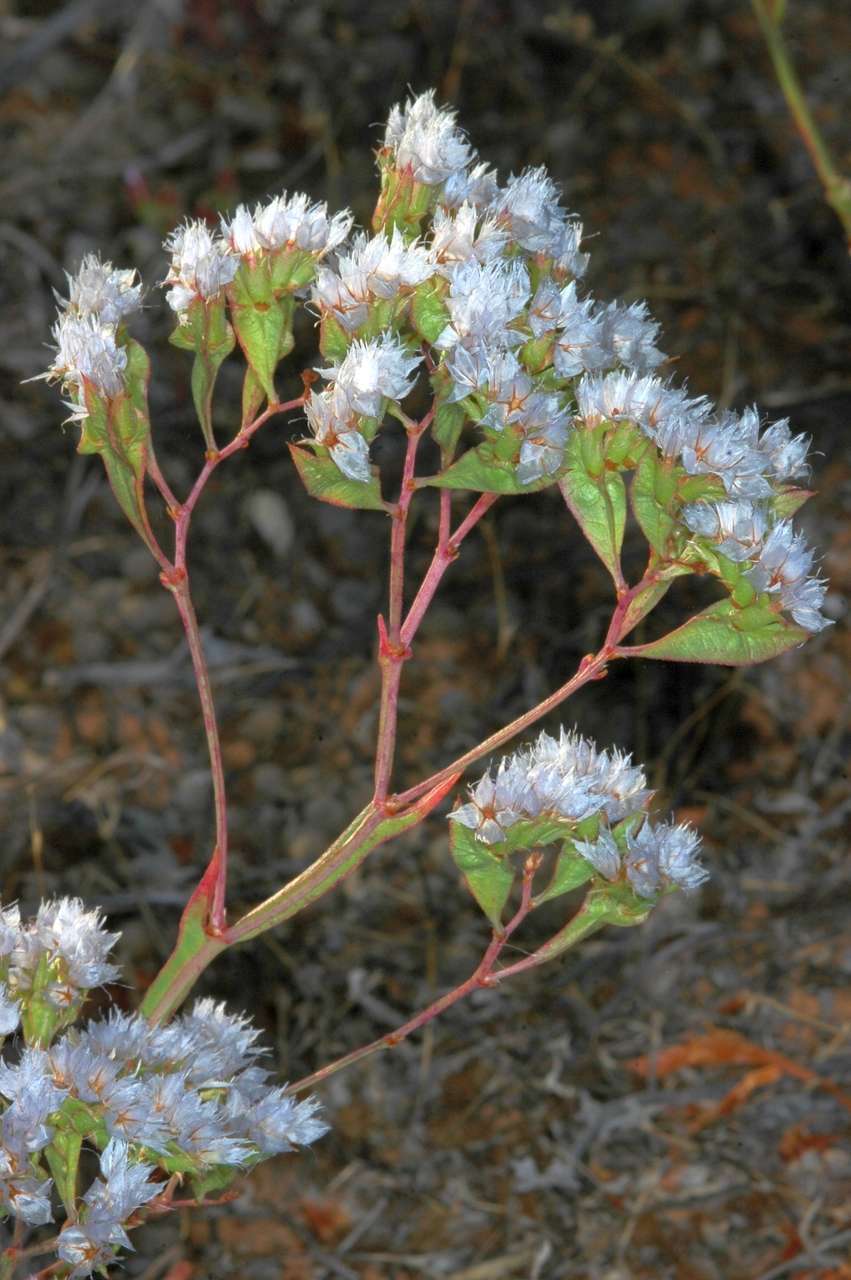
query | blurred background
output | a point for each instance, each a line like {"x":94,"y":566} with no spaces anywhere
{"x":520,"y":1136}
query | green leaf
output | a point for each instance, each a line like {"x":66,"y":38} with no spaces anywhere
{"x":63,"y":1157}
{"x":261,"y":329}
{"x":448,"y":424}
{"x":205,"y":330}
{"x":488,"y":878}
{"x":598,"y":506}
{"x":726,"y":635}
{"x":651,"y":499}
{"x":646,"y":600}
{"x":571,"y":871}
{"x":333,"y":338}
{"x":119,"y":430}
{"x":428,"y":310}
{"x":252,"y":396}
{"x":483,"y":470}
{"x":217,"y":1179}
{"x":323,"y":479}
{"x":788,"y":500}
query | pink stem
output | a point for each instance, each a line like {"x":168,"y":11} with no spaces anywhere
{"x":176,"y":579}
{"x":479,"y":978}
{"x":391,"y":655}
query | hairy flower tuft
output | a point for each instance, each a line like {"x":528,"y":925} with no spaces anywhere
{"x":425,"y":139}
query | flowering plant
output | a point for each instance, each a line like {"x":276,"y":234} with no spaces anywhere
{"x":462,"y":318}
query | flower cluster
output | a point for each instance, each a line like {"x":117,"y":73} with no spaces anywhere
{"x":564,"y":777}
{"x":752,"y":465}
{"x":293,"y":222}
{"x":656,"y":857}
{"x":201,"y":265}
{"x":567,"y":781}
{"x":370,"y":374}
{"x":189,"y":1098}
{"x":86,"y":332}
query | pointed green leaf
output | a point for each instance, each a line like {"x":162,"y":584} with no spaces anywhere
{"x":646,"y":600}
{"x":726,"y":635}
{"x":571,"y":871}
{"x":788,"y":500}
{"x":252,"y":396}
{"x":488,"y":878}
{"x":63,"y":1157}
{"x":261,"y":331}
{"x":428,"y":310}
{"x":599,"y":507}
{"x":323,"y":479}
{"x":119,"y":430}
{"x":333,"y":338}
{"x":483,"y":470}
{"x":651,"y":493}
{"x":206,"y":331}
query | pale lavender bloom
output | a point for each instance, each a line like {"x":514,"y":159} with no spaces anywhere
{"x":10,"y":929}
{"x":529,"y":207}
{"x":201,"y":265}
{"x":563,"y":777}
{"x":222,"y":1043}
{"x":101,"y":291}
{"x":241,"y":234}
{"x":89,"y":1075}
{"x":785,"y":455}
{"x":128,"y":1115}
{"x":545,"y":309}
{"x":663,"y":856}
{"x":619,"y":396}
{"x":66,"y":930}
{"x":782,"y":568}
{"x":123,"y":1186}
{"x":86,"y":351}
{"x":462,"y":236}
{"x":470,"y":370}
{"x":27,"y":1197}
{"x":544,"y":424}
{"x":631,"y":333}
{"x":128,"y":1038}
{"x":477,"y":186}
{"x":86,"y":1249}
{"x":564,"y":250}
{"x":508,"y":389}
{"x":722,"y":447}
{"x":10,"y":1014}
{"x":736,"y":528}
{"x":581,"y":342}
{"x":24,"y":1123}
{"x":334,"y":425}
{"x":274,"y":1122}
{"x":602,"y":853}
{"x":425,"y":139}
{"x":29,"y":1074}
{"x":295,"y":222}
{"x":374,"y":371}
{"x":483,"y":301}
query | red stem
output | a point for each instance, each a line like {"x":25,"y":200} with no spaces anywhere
{"x":478,"y":978}
{"x":176,"y":578}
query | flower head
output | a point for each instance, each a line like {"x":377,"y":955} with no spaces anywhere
{"x":425,"y":139}
{"x":374,"y":371}
{"x":99,"y":290}
{"x":201,"y":265}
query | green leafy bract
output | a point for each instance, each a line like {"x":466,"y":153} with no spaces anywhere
{"x":490,"y":468}
{"x":323,"y":479}
{"x":119,"y":429}
{"x":598,"y":503}
{"x":651,"y":492}
{"x":206,"y":331}
{"x":571,"y":870}
{"x":488,"y":877}
{"x":727,"y":635}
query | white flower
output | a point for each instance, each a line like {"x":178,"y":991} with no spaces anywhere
{"x":425,"y":139}
{"x":86,"y":352}
{"x":529,"y":207}
{"x":581,"y":337}
{"x":544,"y":422}
{"x":99,"y":290}
{"x":631,"y":332}
{"x":483,"y":301}
{"x":477,"y":186}
{"x":464,"y":235}
{"x":736,"y":528}
{"x":373,"y":268}
{"x":334,"y":424}
{"x":374,"y":371}
{"x":782,"y":568}
{"x":661,"y":856}
{"x":201,"y":265}
{"x":296,"y":222}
